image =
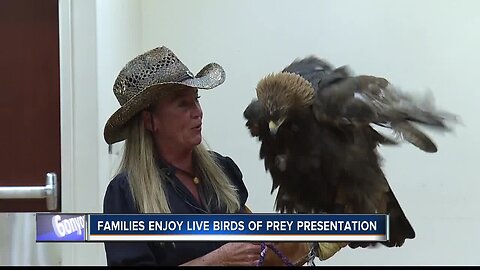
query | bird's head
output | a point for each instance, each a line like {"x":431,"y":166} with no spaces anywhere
{"x":281,"y":94}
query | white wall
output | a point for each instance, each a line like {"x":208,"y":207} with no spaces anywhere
{"x":118,"y":40}
{"x":18,"y":246}
{"x":417,"y":45}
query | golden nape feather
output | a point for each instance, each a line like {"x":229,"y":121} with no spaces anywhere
{"x":285,"y":89}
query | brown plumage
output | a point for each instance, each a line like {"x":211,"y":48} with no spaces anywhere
{"x":315,"y":124}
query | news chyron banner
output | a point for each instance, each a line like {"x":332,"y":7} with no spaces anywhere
{"x":61,"y":227}
{"x":212,"y":227}
{"x":237,"y":227}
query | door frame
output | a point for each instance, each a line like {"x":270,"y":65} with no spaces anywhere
{"x":80,"y":133}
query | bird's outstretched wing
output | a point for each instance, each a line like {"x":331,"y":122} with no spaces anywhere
{"x":364,"y":100}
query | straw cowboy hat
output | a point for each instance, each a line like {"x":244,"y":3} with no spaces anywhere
{"x":144,"y":77}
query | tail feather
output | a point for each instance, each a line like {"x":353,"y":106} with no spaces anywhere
{"x":400,"y":227}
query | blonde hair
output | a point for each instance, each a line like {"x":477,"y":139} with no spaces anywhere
{"x":147,"y":181}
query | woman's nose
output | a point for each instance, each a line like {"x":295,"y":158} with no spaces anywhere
{"x":197,"y":111}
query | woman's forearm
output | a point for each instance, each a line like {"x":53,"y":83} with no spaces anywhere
{"x":215,"y":257}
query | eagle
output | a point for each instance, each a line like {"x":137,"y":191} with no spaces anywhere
{"x":319,"y":129}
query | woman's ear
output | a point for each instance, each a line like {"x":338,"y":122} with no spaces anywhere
{"x":147,"y":120}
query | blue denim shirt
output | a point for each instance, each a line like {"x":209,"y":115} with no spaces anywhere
{"x":118,"y":200}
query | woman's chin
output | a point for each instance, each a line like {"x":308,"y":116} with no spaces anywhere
{"x":197,"y":140}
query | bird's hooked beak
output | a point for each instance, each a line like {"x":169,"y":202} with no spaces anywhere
{"x":274,"y":125}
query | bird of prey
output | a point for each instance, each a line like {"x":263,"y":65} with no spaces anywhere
{"x":318,"y":141}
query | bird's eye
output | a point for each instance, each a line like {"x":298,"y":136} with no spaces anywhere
{"x":275,"y":115}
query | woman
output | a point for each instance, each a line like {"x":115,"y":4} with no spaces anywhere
{"x":165,"y":167}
